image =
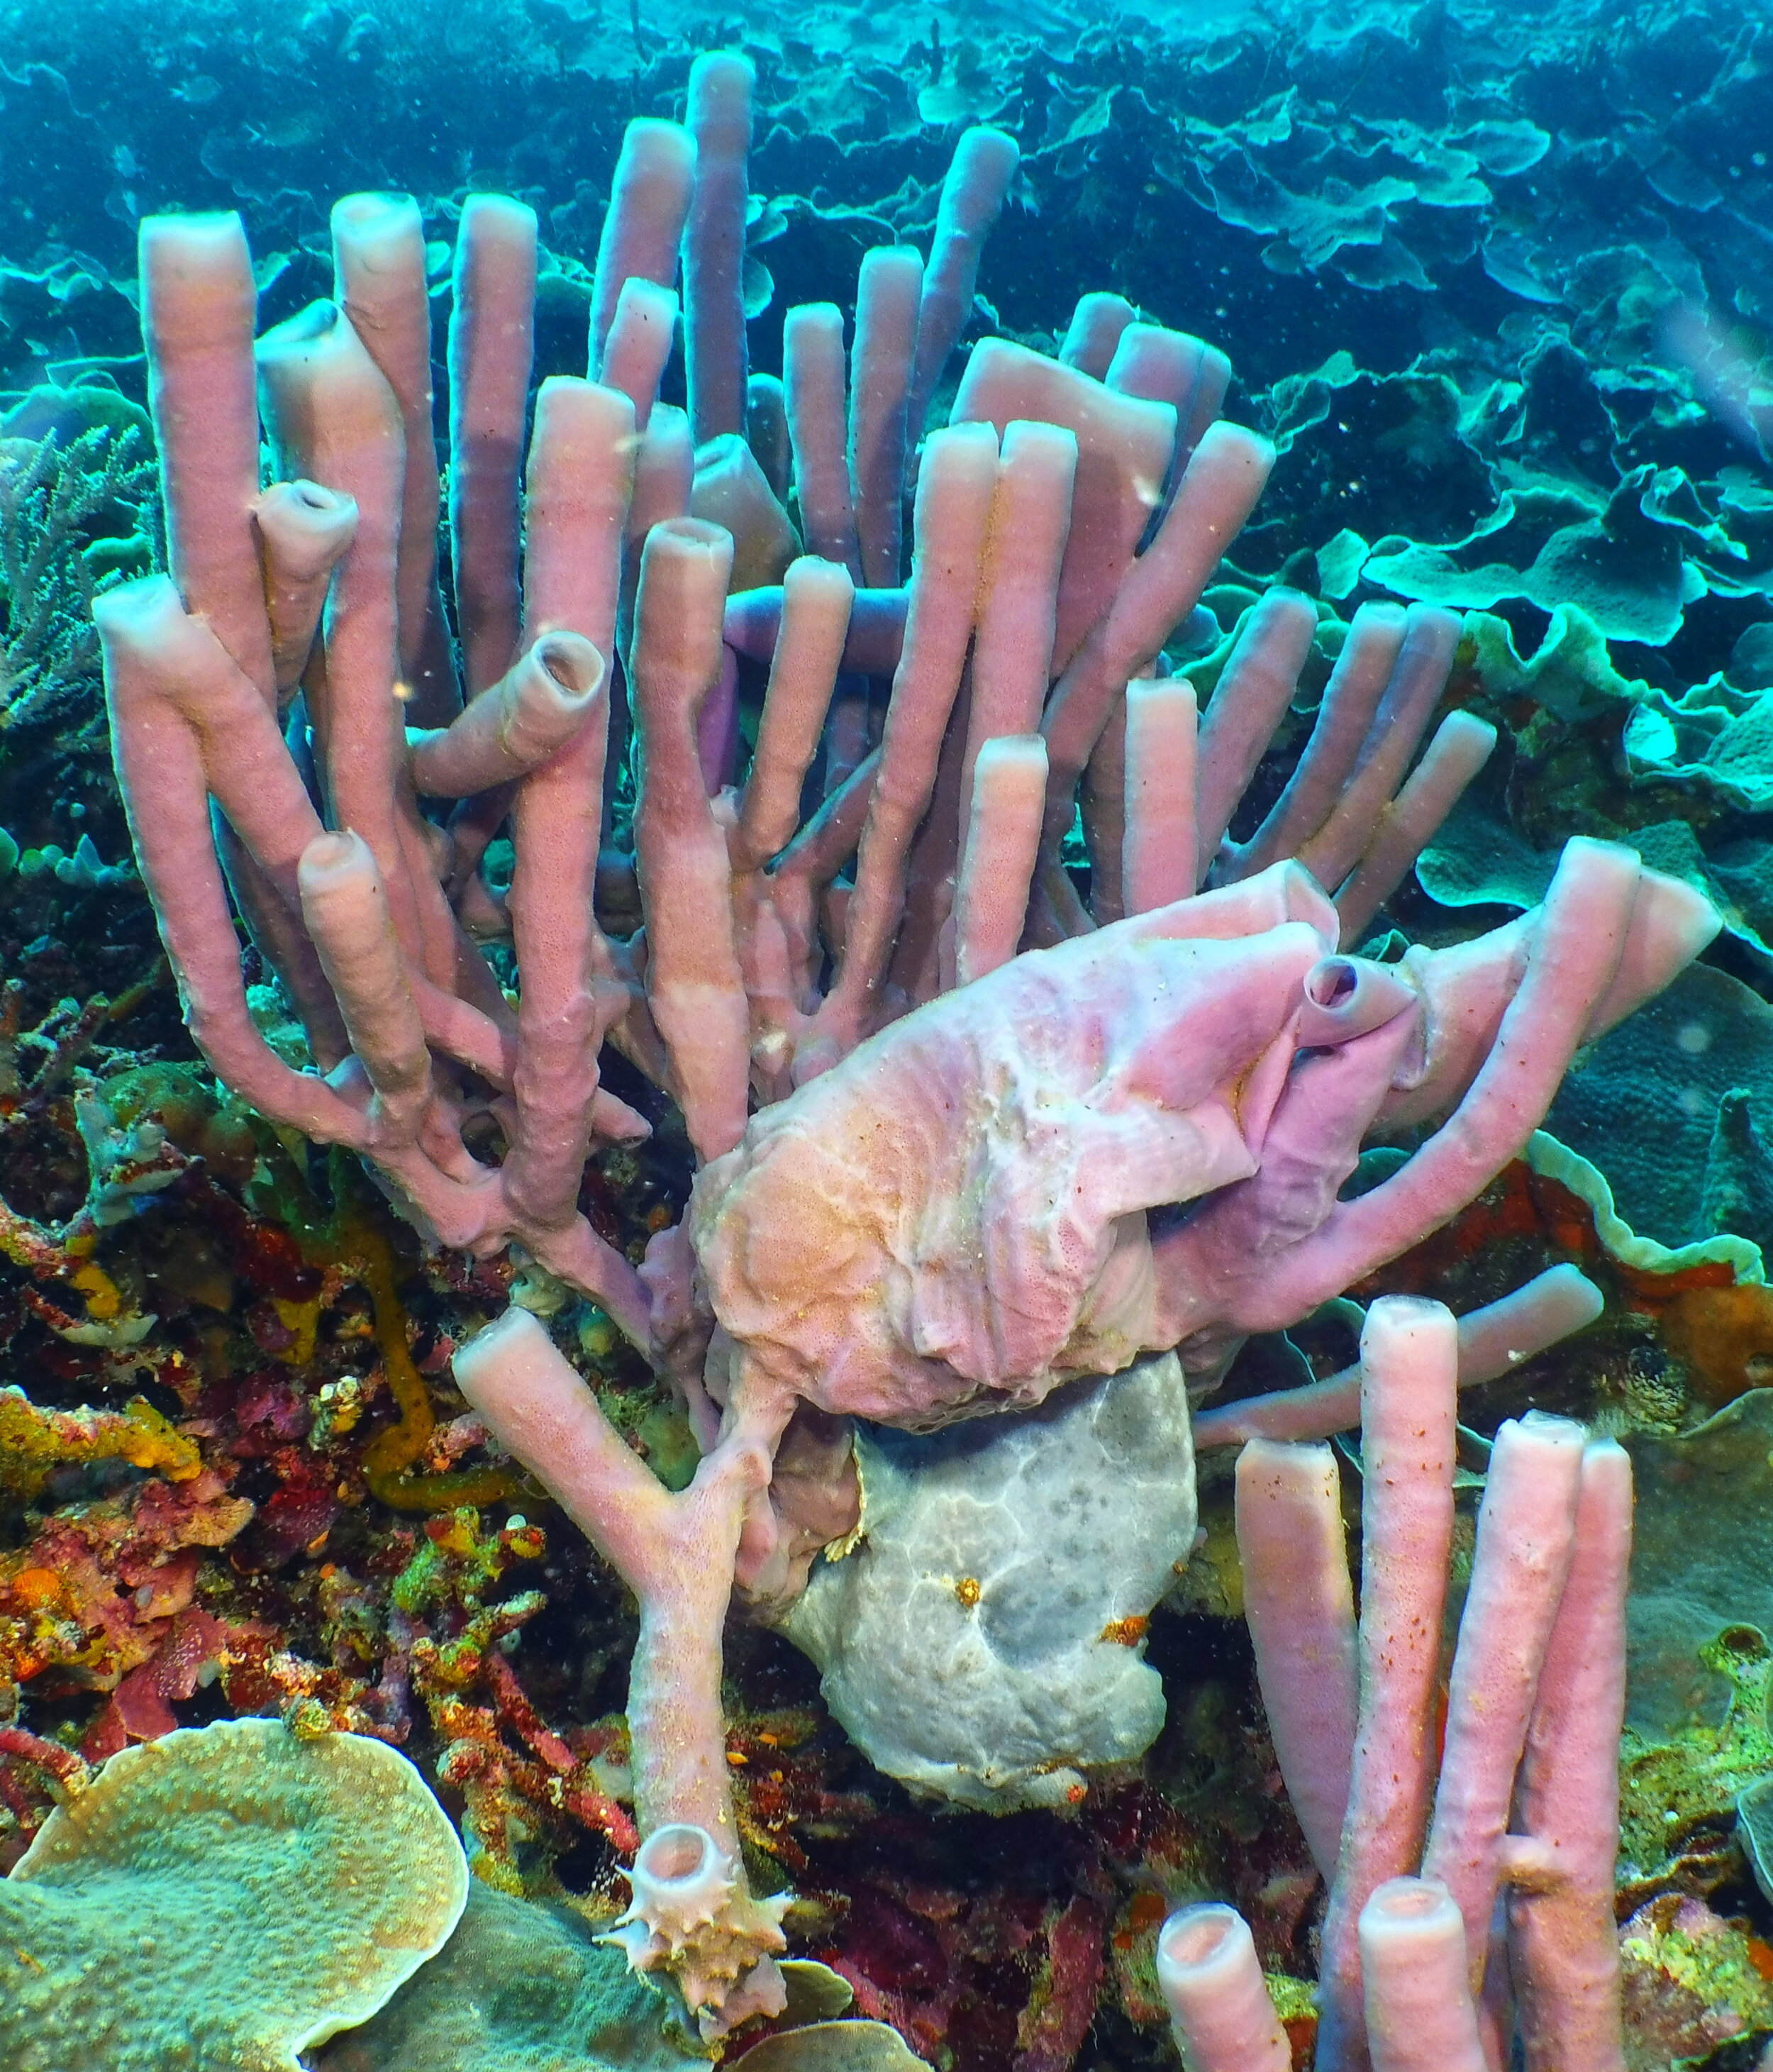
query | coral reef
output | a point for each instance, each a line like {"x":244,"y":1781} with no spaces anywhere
{"x":355,"y":926}
{"x":236,"y":1472}
{"x":1029,"y":512}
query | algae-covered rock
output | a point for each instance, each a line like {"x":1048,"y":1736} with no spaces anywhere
{"x":35,"y":1442}
{"x":1702,"y":1560}
{"x":221,"y":1899}
{"x":1680,"y":1794}
{"x":520,"y":1987}
{"x":983,"y":1640}
{"x":1692,"y":1980}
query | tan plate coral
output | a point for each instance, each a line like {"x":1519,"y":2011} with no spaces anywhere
{"x":836,"y":2046}
{"x":225,"y":1896}
{"x":522,"y":1988}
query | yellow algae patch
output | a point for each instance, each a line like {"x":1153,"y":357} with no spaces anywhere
{"x":303,"y":1320}
{"x":391,"y":1459}
{"x":103,"y":1299}
{"x":34,"y":1442}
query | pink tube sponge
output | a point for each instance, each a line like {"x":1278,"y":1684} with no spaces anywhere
{"x":1207,"y":1970}
{"x":1526,"y":1796}
{"x":1420,"y":2017}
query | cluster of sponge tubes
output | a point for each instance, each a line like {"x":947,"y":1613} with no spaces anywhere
{"x":261,"y":674}
{"x":1462,"y":1912}
{"x":281,"y":705}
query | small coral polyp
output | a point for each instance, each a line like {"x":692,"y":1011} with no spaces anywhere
{"x":934,"y":1090}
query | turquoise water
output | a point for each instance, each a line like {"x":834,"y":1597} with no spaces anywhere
{"x":1490,"y":290}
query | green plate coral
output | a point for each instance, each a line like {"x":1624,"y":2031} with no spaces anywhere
{"x":224,"y":1898}
{"x":522,"y":1988}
